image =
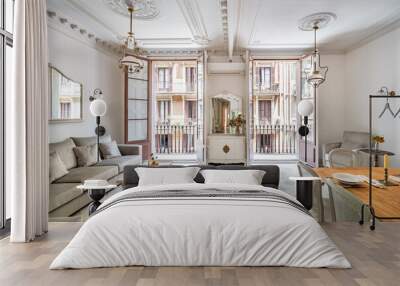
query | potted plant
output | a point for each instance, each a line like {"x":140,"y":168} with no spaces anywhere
{"x":237,"y":122}
{"x":378,"y":139}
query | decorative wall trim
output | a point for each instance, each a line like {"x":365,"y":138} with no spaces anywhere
{"x":81,"y":34}
{"x":191,"y":12}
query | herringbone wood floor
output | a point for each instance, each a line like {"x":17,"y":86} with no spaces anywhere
{"x":375,"y":257}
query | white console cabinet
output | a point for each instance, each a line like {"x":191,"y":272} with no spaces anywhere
{"x":226,"y":149}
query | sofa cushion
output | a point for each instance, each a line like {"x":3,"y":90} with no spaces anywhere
{"x":56,"y":167}
{"x":79,"y":175}
{"x":122,"y":161}
{"x":65,"y":151}
{"x":86,"y":155}
{"x":83,"y":141}
{"x":61,"y":194}
{"x":110,"y":150}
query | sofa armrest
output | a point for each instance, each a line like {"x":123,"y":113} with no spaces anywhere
{"x":328,"y":147}
{"x":130,"y":149}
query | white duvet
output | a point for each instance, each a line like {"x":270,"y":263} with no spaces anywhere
{"x":202,"y":232}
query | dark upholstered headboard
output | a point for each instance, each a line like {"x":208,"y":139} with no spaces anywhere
{"x":270,"y":179}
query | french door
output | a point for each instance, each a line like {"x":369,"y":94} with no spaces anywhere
{"x":138,"y":109}
{"x":308,"y":93}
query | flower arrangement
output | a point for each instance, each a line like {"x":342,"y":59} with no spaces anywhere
{"x":237,"y":122}
{"x":377,"y":139}
{"x":153,"y":160}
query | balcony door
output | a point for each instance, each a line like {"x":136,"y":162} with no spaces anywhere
{"x":273,"y":121}
{"x":308,"y":93}
{"x":177,"y":109}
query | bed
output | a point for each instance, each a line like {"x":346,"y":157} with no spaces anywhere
{"x":193,"y":224}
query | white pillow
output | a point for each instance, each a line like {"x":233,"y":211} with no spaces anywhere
{"x":166,"y":176}
{"x":248,"y":177}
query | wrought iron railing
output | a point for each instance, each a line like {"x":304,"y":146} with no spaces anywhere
{"x":175,"y":139}
{"x":275,"y":139}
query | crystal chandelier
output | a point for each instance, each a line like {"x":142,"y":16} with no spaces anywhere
{"x":317,"y":74}
{"x":133,"y":64}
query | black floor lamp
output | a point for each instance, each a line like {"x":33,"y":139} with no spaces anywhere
{"x":305,"y":109}
{"x":98,"y":108}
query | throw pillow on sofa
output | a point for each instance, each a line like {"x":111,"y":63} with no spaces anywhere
{"x":86,"y":155}
{"x":110,"y":150}
{"x":56,"y":166}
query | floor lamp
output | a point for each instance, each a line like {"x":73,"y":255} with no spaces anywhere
{"x":98,"y":108}
{"x":305,"y":109}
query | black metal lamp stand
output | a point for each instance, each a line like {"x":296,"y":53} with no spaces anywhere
{"x":303,"y":131}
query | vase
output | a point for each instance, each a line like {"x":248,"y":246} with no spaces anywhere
{"x":376,"y":147}
{"x":237,"y":130}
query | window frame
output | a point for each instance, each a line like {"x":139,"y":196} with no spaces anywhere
{"x":6,"y":40}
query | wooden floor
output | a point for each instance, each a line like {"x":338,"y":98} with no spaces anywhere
{"x":375,"y":257}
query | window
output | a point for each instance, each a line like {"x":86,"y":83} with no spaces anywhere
{"x":264,"y":77}
{"x":190,"y":78}
{"x":6,"y":44}
{"x":164,"y":78}
{"x":191,"y":110}
{"x":264,"y":111}
{"x":163,"y":111}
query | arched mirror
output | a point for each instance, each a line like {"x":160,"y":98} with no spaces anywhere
{"x":65,"y":97}
{"x":227,"y":114}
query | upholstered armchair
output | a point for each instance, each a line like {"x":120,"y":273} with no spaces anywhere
{"x":346,"y":153}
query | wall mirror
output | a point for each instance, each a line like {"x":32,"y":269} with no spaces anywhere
{"x":65,"y":97}
{"x":227,"y":114}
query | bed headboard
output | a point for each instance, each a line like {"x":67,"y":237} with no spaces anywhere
{"x":270,"y":179}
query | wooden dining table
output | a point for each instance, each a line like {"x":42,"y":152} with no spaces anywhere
{"x":386,"y":201}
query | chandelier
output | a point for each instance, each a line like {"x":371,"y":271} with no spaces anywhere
{"x":133,"y":64}
{"x":317,"y":75}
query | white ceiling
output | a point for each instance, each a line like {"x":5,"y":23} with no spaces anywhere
{"x":253,"y":24}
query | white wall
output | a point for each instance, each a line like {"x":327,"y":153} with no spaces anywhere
{"x":331,"y":99}
{"x":94,"y":69}
{"x":367,"y":68}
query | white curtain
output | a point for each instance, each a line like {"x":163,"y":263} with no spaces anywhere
{"x":27,"y":121}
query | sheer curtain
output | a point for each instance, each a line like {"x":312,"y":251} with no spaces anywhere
{"x":27,"y":121}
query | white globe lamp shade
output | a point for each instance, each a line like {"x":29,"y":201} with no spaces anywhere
{"x":305,"y":107}
{"x":98,"y":107}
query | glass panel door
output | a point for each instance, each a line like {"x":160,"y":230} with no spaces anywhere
{"x":200,"y":109}
{"x":308,"y":93}
{"x":137,"y":109}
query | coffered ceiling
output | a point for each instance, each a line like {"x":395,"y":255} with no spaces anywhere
{"x":232,"y":25}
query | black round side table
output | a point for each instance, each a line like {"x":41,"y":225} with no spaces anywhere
{"x":376,"y":154}
{"x":96,"y":195}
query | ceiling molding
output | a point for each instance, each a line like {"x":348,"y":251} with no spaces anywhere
{"x":191,"y":12}
{"x":387,"y":26}
{"x":77,"y":5}
{"x":155,"y":42}
{"x":234,"y":7}
{"x":63,"y":25}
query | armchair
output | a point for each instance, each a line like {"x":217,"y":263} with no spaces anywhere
{"x":352,"y":141}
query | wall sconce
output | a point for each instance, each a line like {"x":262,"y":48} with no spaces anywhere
{"x":96,"y":93}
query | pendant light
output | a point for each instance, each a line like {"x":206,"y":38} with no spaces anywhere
{"x":317,"y":75}
{"x":133,"y":64}
{"x":314,"y":22}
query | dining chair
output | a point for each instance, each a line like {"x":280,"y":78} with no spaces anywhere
{"x":318,"y":206}
{"x":343,"y":158}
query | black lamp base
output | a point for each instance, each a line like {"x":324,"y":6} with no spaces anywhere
{"x":100,"y":130}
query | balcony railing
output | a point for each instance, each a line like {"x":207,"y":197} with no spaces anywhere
{"x":275,"y":139}
{"x":175,"y":139}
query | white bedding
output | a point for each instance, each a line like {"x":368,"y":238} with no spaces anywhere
{"x":200,"y":231}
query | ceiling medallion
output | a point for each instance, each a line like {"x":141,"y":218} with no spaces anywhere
{"x":322,"y":19}
{"x":144,"y":9}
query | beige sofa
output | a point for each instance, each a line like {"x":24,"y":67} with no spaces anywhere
{"x":64,"y":198}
